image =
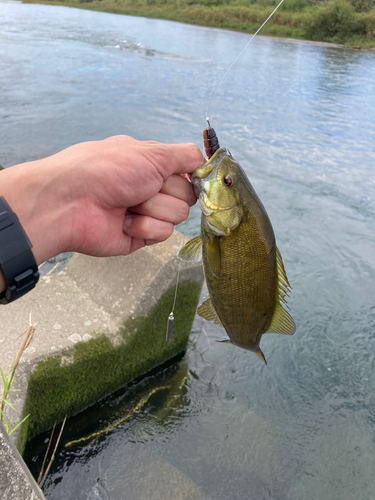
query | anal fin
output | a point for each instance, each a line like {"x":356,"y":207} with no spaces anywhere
{"x":207,"y":311}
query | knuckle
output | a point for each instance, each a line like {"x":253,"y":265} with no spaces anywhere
{"x":184,"y":211}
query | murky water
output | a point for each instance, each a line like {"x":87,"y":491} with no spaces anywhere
{"x":300,"y":119}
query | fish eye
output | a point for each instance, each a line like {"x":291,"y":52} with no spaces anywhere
{"x":228,"y":181}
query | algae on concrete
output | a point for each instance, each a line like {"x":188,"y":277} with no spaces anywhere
{"x":67,"y":383}
{"x":170,"y":391}
{"x":68,"y":367}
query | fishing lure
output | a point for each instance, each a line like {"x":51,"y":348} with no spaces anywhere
{"x":210,"y":140}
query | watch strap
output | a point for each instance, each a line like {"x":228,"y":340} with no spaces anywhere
{"x":17,"y":261}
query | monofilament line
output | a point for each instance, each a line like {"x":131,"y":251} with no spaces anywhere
{"x":168,"y":338}
{"x":175,"y":292}
{"x":234,"y":60}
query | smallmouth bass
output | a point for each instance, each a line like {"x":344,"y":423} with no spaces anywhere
{"x":243,"y":268}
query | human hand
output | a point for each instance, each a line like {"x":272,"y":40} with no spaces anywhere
{"x":102,"y":198}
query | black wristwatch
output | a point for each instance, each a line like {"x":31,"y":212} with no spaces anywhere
{"x":17,"y":261}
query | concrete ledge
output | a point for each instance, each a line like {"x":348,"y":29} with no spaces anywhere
{"x":94,"y":312}
{"x":16,"y":482}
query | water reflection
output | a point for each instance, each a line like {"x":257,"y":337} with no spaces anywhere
{"x":145,"y":409}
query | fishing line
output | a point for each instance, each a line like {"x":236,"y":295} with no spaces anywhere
{"x":234,"y":60}
{"x":170,"y":323}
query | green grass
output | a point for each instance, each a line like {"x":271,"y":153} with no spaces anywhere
{"x":7,"y":390}
{"x":88,"y":371}
{"x":335,"y":21}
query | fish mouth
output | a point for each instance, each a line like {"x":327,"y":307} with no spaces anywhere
{"x":206,"y":172}
{"x":196,"y":181}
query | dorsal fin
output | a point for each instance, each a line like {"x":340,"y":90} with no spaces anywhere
{"x":282,"y":322}
{"x":282,"y":280}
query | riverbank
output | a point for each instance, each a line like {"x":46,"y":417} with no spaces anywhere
{"x":333,"y":22}
{"x":100,"y":323}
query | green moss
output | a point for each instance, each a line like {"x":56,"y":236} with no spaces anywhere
{"x":1,"y":168}
{"x":86,"y":372}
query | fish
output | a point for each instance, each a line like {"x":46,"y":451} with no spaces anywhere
{"x":243,"y":267}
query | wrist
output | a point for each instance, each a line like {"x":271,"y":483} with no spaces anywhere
{"x":2,"y":282}
{"x":35,"y":194}
{"x":17,"y":262}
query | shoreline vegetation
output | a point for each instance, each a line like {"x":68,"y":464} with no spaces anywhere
{"x":349,"y":23}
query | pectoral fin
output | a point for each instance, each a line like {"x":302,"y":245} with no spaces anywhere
{"x":214,"y":255}
{"x":207,"y":311}
{"x":192,"y":251}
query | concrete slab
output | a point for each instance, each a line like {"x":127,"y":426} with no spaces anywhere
{"x":16,"y":482}
{"x":61,"y":310}
{"x":116,"y":284}
{"x":155,"y":479}
{"x":89,"y":295}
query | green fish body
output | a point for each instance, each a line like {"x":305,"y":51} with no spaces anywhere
{"x":243,"y":268}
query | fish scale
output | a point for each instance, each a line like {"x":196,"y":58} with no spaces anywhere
{"x":241,"y":265}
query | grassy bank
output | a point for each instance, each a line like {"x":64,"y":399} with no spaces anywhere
{"x":350,"y":23}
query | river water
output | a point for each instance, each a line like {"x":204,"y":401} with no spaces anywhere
{"x":300,"y":119}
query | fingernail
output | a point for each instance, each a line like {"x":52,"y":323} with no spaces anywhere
{"x":128,"y":221}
